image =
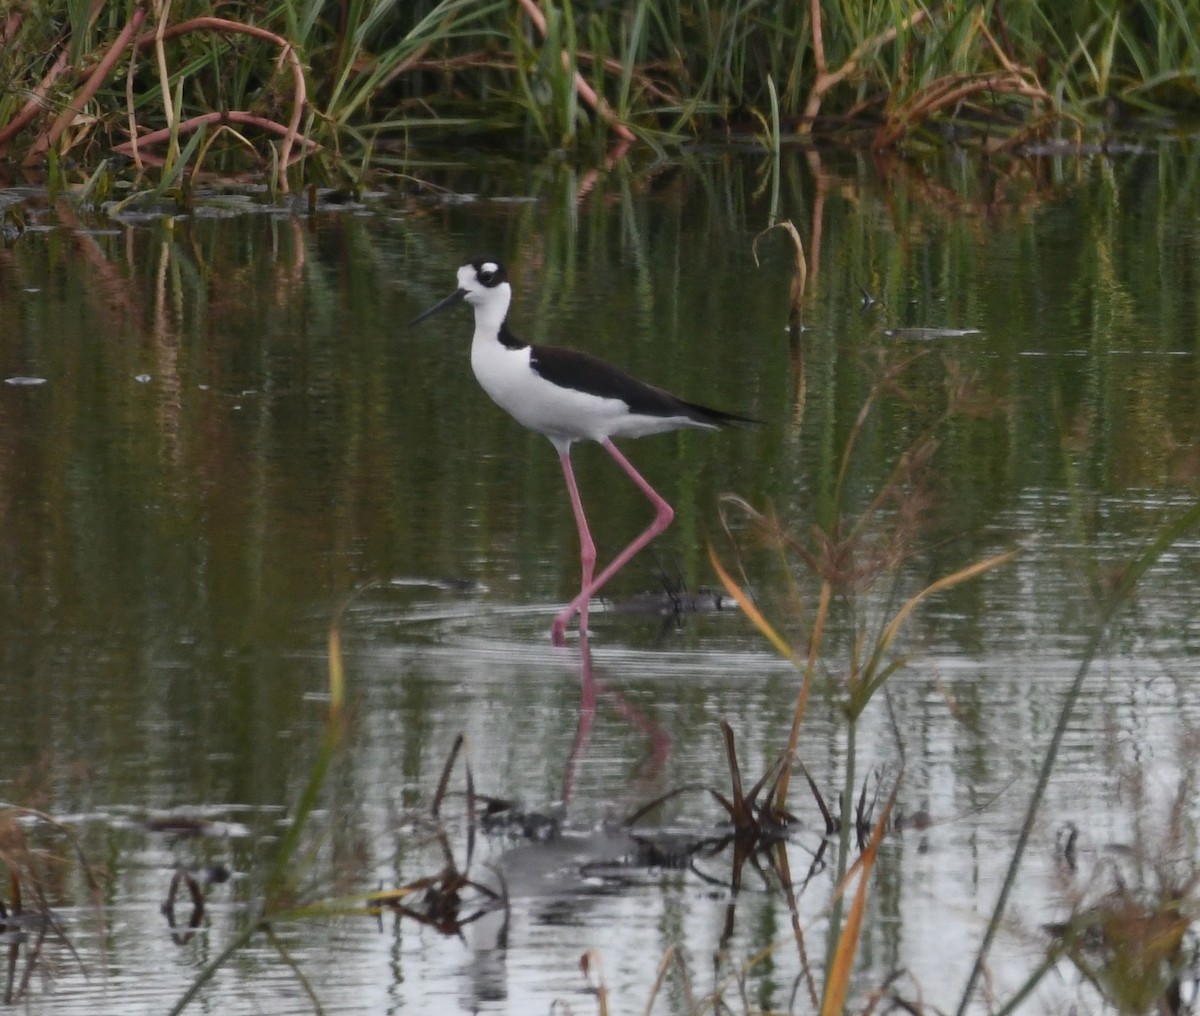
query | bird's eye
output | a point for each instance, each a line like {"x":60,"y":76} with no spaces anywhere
{"x":486,"y":275}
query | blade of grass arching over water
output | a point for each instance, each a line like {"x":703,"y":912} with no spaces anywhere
{"x":873,"y":676}
{"x":1137,"y":568}
{"x":751,"y":611}
{"x":239,"y":941}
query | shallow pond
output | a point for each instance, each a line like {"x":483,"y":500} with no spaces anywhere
{"x":218,"y":439}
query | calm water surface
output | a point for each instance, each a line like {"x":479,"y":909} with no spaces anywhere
{"x":217,"y":436}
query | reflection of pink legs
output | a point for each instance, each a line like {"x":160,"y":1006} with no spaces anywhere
{"x":589,"y":689}
{"x":587,"y":713}
{"x":587,"y":548}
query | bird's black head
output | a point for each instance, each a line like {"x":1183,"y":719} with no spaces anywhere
{"x":483,"y":283}
{"x":489,"y":271}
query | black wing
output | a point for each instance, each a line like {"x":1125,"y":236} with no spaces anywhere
{"x":570,"y":368}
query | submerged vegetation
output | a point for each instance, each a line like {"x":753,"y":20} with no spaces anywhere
{"x":313,"y":91}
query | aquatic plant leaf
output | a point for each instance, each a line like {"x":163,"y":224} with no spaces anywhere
{"x":750,"y":610}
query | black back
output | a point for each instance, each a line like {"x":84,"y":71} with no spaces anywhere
{"x":570,"y":368}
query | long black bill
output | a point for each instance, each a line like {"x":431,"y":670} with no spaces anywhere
{"x":450,"y":301}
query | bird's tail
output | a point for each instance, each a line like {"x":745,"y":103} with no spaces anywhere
{"x":720,"y":418}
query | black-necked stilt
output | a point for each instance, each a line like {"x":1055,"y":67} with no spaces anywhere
{"x":570,"y":396}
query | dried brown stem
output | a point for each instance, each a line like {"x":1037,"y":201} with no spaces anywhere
{"x":826,"y":79}
{"x":12,"y":25}
{"x":286,"y":52}
{"x":192,"y":123}
{"x":818,"y":40}
{"x":949,"y":91}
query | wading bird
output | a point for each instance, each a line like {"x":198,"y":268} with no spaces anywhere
{"x":570,"y":396}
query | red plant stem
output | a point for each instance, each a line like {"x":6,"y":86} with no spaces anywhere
{"x":90,"y":87}
{"x":586,"y":92}
{"x":220,"y":25}
{"x":12,"y":24}
{"x":192,"y":123}
{"x":37,"y":100}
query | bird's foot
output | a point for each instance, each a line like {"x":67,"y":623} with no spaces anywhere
{"x":558,"y":631}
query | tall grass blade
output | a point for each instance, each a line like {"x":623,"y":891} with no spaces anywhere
{"x":239,"y":941}
{"x":873,"y":675}
{"x":337,"y":675}
{"x":751,"y":611}
{"x":278,"y":879}
{"x":1137,"y":568}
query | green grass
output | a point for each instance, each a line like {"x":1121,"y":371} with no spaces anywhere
{"x":568,"y":75}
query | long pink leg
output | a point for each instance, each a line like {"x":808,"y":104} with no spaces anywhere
{"x":587,"y":551}
{"x":663,"y":514}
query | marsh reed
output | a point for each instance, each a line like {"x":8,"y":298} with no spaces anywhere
{"x":313,"y":91}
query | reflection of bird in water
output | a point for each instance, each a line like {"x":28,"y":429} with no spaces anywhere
{"x":570,"y":396}
{"x":555,"y":873}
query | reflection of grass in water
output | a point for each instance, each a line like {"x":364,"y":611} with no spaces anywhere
{"x":280,"y":902}
{"x":1130,"y":910}
{"x":1119,"y":919}
{"x":446,"y":900}
{"x":850,"y":559}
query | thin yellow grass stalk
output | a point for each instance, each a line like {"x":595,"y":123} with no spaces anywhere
{"x":837,"y":984}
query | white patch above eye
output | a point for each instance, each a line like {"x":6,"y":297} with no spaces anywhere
{"x":488,"y":267}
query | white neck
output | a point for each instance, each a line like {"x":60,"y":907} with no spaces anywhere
{"x":491,"y":311}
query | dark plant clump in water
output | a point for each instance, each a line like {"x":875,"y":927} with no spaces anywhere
{"x":29,"y":869}
{"x":259,"y":87}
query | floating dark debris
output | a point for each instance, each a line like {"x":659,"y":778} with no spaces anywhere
{"x":449,"y":585}
{"x":925,"y":334}
{"x":186,"y":825}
